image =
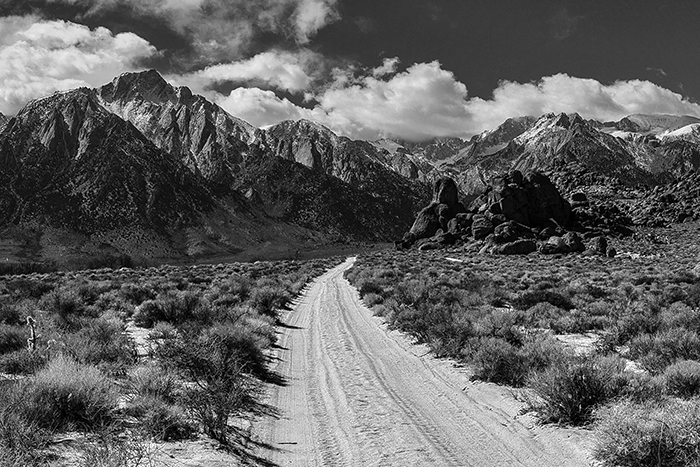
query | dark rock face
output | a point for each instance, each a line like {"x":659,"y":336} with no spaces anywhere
{"x":445,"y":193}
{"x":598,"y":245}
{"x":518,"y":247}
{"x":426,"y":224}
{"x":519,"y":215}
{"x":482,"y":227}
{"x":530,"y":200}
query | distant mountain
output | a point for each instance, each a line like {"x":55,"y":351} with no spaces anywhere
{"x":653,"y":124}
{"x":207,"y":139}
{"x":3,"y":120}
{"x":67,"y":161}
{"x":581,"y":152}
{"x":139,"y":155}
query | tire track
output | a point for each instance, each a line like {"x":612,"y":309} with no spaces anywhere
{"x":359,"y":396}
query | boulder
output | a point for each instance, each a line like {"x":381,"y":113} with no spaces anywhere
{"x":481,"y":227}
{"x":554,"y":245}
{"x":445,"y":192}
{"x":511,"y":231}
{"x":611,"y":252}
{"x":598,"y":245}
{"x":574,"y":242}
{"x":530,"y":200}
{"x":518,"y":247}
{"x":426,"y":224}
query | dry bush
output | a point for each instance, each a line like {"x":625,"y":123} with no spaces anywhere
{"x":66,"y":395}
{"x":683,"y":378}
{"x":569,"y":389}
{"x":649,"y":434}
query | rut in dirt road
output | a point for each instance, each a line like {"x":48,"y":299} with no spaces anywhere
{"x":359,"y":397}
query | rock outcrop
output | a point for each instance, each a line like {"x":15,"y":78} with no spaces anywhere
{"x":519,"y":214}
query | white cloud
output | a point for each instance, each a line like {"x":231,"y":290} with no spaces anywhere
{"x":313,"y":15}
{"x":426,"y":101}
{"x":40,"y":57}
{"x":588,"y":97}
{"x":218,"y":30}
{"x":282,"y":70}
{"x":260,"y":107}
{"x":388,"y":67}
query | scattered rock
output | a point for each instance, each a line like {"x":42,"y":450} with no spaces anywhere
{"x":481,"y":227}
{"x":598,"y":245}
{"x":429,"y":246}
{"x":518,"y":247}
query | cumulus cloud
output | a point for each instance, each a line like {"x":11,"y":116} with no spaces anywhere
{"x":588,"y":97}
{"x":312,"y":15}
{"x":426,"y":101}
{"x":40,"y":57}
{"x":287,"y":71}
{"x":212,"y":31}
{"x":261,"y":107}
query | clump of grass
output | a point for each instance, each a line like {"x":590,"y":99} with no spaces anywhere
{"x":569,"y":389}
{"x":649,"y":434}
{"x":23,"y":361}
{"x":657,"y":351}
{"x":66,"y":395}
{"x":12,"y":338}
{"x":683,"y":378}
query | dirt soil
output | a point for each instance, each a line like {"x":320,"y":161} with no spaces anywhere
{"x":361,"y":395}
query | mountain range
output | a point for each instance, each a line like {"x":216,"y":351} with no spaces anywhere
{"x":141,"y":167}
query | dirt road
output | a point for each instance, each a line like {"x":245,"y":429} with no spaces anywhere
{"x":359,"y":395}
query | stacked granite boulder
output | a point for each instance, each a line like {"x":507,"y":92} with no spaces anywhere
{"x":518,"y":214}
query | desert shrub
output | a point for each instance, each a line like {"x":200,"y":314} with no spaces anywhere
{"x":67,"y":308}
{"x":641,"y":386}
{"x":10,"y":314}
{"x":531,"y":298}
{"x":641,"y":317}
{"x":372,"y":299}
{"x":239,"y":286}
{"x":649,"y":434}
{"x":23,"y":362}
{"x":683,"y":378}
{"x":154,"y":381}
{"x":161,"y":420}
{"x":369,"y":285}
{"x":680,"y":315}
{"x":497,"y":361}
{"x":267,"y":299}
{"x":176,"y":307}
{"x":693,"y":295}
{"x":28,"y":288}
{"x":542,"y":315}
{"x":136,"y":294}
{"x":221,"y":361}
{"x":66,"y":395}
{"x":656,"y":351}
{"x":21,"y":441}
{"x":12,"y":338}
{"x":102,"y":342}
{"x":570,"y":389}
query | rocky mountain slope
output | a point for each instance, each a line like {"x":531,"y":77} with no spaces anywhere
{"x":3,"y":120}
{"x":141,"y":155}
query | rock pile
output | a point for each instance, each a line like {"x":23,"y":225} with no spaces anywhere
{"x":670,"y":204}
{"x":518,"y":214}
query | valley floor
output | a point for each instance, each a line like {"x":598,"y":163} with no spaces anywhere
{"x":360,"y":395}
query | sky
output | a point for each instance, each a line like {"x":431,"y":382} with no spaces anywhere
{"x":408,"y":69}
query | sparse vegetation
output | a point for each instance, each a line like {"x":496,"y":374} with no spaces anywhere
{"x":508,"y":318}
{"x":210,"y":326}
